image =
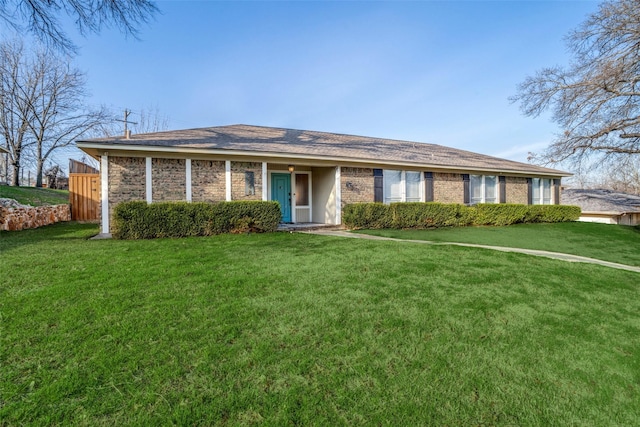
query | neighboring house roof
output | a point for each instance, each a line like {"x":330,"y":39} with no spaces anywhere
{"x":599,"y":200}
{"x":290,"y":143}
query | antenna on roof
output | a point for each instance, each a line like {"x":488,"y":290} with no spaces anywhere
{"x":127,"y":132}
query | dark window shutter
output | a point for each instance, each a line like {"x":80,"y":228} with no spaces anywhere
{"x":377,"y":185}
{"x":529,"y":191}
{"x":556,"y":191}
{"x":503,"y":188}
{"x":428,"y":186}
{"x":467,"y":195}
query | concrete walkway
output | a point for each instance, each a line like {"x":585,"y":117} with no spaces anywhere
{"x":534,"y":252}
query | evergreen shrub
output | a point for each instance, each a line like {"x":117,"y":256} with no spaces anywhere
{"x":141,"y":220}
{"x":436,"y":215}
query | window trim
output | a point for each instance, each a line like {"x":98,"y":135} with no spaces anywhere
{"x":540,"y":199}
{"x":403,"y":186}
{"x":483,"y":189}
{"x":294,"y":196}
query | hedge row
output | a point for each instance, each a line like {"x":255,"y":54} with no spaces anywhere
{"x":140,"y":220}
{"x":435,"y":215}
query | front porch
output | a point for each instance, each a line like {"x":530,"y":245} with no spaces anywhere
{"x":308,"y":195}
{"x":307,"y":226}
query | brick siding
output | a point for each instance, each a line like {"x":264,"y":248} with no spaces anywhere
{"x":356,"y":185}
{"x":448,"y":188}
{"x":126,"y":180}
{"x":168,"y":180}
{"x":517,"y":190}
{"x":207,"y":181}
{"x":238,"y":187}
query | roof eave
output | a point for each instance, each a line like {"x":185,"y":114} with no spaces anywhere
{"x":104,"y":146}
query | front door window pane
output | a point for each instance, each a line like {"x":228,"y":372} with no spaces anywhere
{"x":302,"y":189}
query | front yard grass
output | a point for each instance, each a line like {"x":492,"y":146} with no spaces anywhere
{"x":615,"y":243}
{"x":301,"y":329}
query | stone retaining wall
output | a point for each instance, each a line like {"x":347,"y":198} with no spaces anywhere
{"x":13,"y":219}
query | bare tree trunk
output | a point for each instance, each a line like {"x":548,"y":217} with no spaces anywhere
{"x":39,"y":166}
{"x":15,"y":177}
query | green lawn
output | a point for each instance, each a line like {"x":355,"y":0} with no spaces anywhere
{"x":615,"y":243}
{"x":34,"y":196}
{"x":286,"y":329}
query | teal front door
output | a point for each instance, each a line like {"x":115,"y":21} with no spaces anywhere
{"x":281,"y":192}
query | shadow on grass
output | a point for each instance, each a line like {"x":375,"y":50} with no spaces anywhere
{"x":61,"y":231}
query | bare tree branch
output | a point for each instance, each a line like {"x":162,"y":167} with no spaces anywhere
{"x":41,"y":17}
{"x":595,"y":100}
{"x":42,"y":102}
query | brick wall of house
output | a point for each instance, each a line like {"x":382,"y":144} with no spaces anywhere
{"x":238,"y":181}
{"x":126,"y":179}
{"x":448,"y":188}
{"x":356,"y":185}
{"x":168,"y":180}
{"x":517,"y":190}
{"x":207,"y":181}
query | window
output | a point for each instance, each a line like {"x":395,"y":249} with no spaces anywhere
{"x":392,"y":186}
{"x":483,"y":189}
{"x":413,"y":181}
{"x":541,"y":191}
{"x":402,"y":186}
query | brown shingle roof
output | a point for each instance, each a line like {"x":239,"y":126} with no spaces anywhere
{"x":321,"y":145}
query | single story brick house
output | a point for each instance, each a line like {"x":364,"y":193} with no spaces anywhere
{"x":312,"y":174}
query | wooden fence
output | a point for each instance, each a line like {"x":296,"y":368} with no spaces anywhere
{"x":84,"y":196}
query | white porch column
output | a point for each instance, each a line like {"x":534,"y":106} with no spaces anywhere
{"x":104,"y":192}
{"x":188,"y":177}
{"x":338,"y":197}
{"x":265,"y":194}
{"x":147,"y":179}
{"x":294,"y":218}
{"x":227,"y":176}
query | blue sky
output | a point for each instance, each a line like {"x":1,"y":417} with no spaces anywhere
{"x":428,"y":71}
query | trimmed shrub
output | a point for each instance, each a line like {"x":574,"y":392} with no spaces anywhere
{"x":429,"y":215}
{"x":558,"y":213}
{"x":366,"y":215}
{"x":499,"y":214}
{"x":140,"y":220}
{"x":435,"y":215}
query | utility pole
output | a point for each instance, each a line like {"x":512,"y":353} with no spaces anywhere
{"x":126,"y":122}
